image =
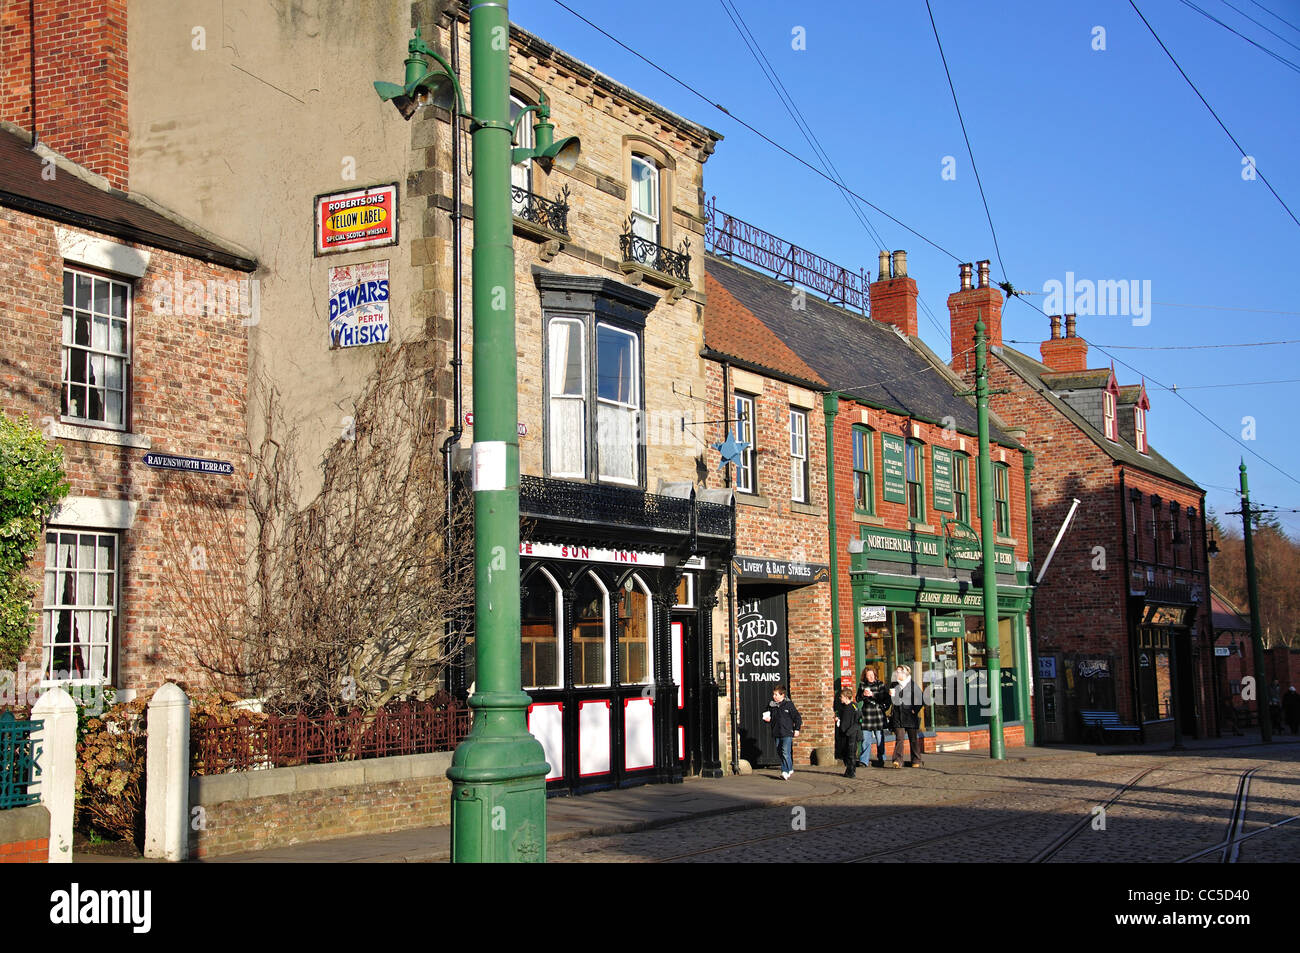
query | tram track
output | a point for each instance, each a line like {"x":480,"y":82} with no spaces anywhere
{"x":1229,"y":848}
{"x":957,"y":802}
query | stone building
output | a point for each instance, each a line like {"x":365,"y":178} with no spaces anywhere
{"x":1123,"y":611}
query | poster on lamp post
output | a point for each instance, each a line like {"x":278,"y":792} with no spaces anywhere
{"x":358,"y":304}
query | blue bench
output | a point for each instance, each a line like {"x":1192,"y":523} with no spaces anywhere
{"x":1099,"y":724}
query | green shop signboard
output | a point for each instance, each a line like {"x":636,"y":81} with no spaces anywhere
{"x":942,"y":479}
{"x":895,"y":480}
{"x":900,"y":547}
{"x":948,"y":626}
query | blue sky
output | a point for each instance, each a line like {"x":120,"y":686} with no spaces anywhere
{"x":1100,"y":163}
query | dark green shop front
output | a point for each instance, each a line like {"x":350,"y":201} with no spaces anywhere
{"x":915,"y":605}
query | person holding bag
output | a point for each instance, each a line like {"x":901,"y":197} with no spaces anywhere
{"x":873,"y":699}
{"x":907,"y":700}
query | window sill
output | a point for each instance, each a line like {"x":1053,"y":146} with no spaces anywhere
{"x":552,"y":242}
{"x":1005,"y":540}
{"x":919,"y":527}
{"x":637,"y":271}
{"x":807,"y":509}
{"x":113,"y":438}
{"x":752,"y":499}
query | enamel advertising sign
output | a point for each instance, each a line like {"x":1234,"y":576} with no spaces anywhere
{"x":364,"y":218}
{"x":359,"y":304}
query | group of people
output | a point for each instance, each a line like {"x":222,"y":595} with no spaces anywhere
{"x":859,"y":723}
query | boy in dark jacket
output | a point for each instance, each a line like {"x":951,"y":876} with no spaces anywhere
{"x":786,"y":722}
{"x":849,"y":726}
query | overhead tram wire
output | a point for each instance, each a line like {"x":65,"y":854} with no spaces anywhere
{"x":1203,"y":100}
{"x":913,"y":231}
{"x":1210,"y":420}
{"x":1179,"y":347}
{"x":1275,"y":16}
{"x":791,"y":107}
{"x":1261,"y":26}
{"x":768,"y":139}
{"x":1209,"y":16}
{"x":966,"y":136}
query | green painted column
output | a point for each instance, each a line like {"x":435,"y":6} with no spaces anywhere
{"x":1029,"y":661}
{"x":831,"y":408}
{"x":498,"y":773}
{"x":1256,"y":638}
{"x":988,"y":524}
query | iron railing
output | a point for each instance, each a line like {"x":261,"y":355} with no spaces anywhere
{"x":675,"y":264}
{"x":275,"y":741}
{"x":727,"y":235}
{"x":18,"y":767}
{"x":548,"y":213}
{"x":596,"y":503}
{"x":715,"y":519}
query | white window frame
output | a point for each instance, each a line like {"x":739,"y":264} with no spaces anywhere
{"x":1140,"y":429}
{"x":798,"y":455}
{"x":580,"y":398}
{"x":70,"y":350}
{"x":747,"y":464}
{"x":634,"y":407}
{"x":645,"y":222}
{"x":604,"y":590}
{"x":1108,"y":414}
{"x":558,"y":624}
{"x":80,"y":613}
{"x":521,"y":173}
{"x":638,"y":583}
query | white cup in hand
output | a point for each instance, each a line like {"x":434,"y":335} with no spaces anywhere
{"x":767,"y":716}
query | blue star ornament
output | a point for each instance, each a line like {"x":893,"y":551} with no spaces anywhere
{"x":731,"y":449}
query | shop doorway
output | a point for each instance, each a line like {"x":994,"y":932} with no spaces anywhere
{"x":762,"y":663}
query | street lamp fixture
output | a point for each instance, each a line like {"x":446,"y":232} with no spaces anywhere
{"x":498,"y":773}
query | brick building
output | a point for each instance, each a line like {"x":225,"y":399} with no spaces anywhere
{"x":778,"y":596}
{"x":902,"y":529}
{"x":137,"y":373}
{"x":1123,"y":611}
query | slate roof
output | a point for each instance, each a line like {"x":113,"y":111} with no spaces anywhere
{"x":1225,"y":615}
{"x":863,"y":360}
{"x":1040,"y":377}
{"x":732,"y":330}
{"x":72,"y":200}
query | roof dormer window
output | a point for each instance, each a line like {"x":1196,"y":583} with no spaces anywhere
{"x":1108,"y":412}
{"x":1140,"y":429}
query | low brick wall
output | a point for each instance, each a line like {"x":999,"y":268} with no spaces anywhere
{"x":254,"y":810}
{"x":975,"y":739}
{"x":25,"y":835}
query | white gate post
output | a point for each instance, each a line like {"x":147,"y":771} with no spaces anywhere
{"x":167,"y":791}
{"x":57,"y":760}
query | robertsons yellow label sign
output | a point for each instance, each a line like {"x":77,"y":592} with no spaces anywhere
{"x":359,"y":219}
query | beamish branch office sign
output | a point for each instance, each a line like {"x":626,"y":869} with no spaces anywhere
{"x":761,"y":569}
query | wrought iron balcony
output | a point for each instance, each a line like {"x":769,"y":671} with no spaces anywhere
{"x":551,"y":214}
{"x":621,"y":516}
{"x":642,"y":251}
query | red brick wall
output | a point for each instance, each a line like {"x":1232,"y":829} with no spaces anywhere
{"x":26,"y":852}
{"x":782,"y":530}
{"x":893,"y":516}
{"x":81,"y":79}
{"x":188,"y":395}
{"x":965,"y":307}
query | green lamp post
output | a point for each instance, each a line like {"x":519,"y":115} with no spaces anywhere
{"x":498,"y":773}
{"x":988,"y":521}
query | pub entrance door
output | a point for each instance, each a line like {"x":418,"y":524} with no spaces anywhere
{"x":762,"y":663}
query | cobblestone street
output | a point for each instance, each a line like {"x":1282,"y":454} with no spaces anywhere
{"x":1126,"y":808}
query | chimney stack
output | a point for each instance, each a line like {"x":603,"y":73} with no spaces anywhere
{"x":81,"y":88}
{"x":1069,"y":353}
{"x":893,"y":296}
{"x":965,"y":306}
